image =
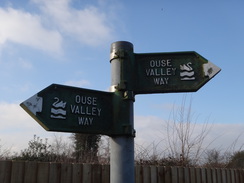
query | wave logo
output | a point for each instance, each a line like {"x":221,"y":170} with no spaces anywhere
{"x":187,"y":72}
{"x":58,"y":109}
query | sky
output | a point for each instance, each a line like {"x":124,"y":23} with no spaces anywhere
{"x":68,"y":42}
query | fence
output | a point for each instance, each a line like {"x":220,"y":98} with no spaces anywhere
{"x":38,"y":172}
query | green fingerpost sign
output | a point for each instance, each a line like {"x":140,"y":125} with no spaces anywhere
{"x":172,"y":72}
{"x":70,"y":109}
{"x":78,"y":110}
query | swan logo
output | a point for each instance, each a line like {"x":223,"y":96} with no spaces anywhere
{"x":58,"y":109}
{"x":187,"y":72}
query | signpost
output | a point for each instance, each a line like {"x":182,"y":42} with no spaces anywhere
{"x":70,"y":109}
{"x":77,"y":110}
{"x":172,"y":72}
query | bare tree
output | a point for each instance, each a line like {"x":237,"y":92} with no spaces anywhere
{"x":215,"y":158}
{"x":231,"y":157}
{"x":61,"y":148}
{"x":148,"y":154}
{"x":4,"y":153}
{"x":184,"y":144}
{"x":37,"y":150}
{"x":237,"y":160}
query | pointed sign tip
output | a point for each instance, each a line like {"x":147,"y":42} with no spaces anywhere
{"x":33,"y":104}
{"x":210,"y":69}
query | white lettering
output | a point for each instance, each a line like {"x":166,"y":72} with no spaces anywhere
{"x":85,"y":100}
{"x":160,"y":81}
{"x":99,"y":111}
{"x":85,"y":121}
{"x":160,"y":63}
{"x":160,"y":72}
{"x":85,"y":110}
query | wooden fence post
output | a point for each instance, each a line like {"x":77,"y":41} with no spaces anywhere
{"x":66,"y":172}
{"x":232,"y":173}
{"x":96,"y":173}
{"x":187,"y":177}
{"x":174,"y":174}
{"x":153,"y":172}
{"x":241,"y":174}
{"x":146,"y":174}
{"x":30,"y":175}
{"x":55,"y":172}
{"x":219,"y":175}
{"x":238,"y":176}
{"x":86,"y":173}
{"x":138,"y":174}
{"x":77,"y":173}
{"x":5,"y":171}
{"x":192,"y":175}
{"x":161,"y":174}
{"x":214,"y":176}
{"x":209,"y":175}
{"x":105,"y":173}
{"x":18,"y":170}
{"x":43,"y":172}
{"x":168,"y":174}
{"x":198,"y":175}
{"x":223,"y":175}
{"x":180,"y":175}
{"x":203,"y":175}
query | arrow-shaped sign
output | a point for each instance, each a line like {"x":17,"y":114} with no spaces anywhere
{"x":78,"y":110}
{"x":70,"y":109}
{"x":172,"y":72}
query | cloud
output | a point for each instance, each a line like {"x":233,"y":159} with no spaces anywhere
{"x":148,"y":128}
{"x":27,"y":65}
{"x":54,"y":22}
{"x":26,"y":28}
{"x":151,"y":130}
{"x":88,"y":25}
{"x":17,"y":127}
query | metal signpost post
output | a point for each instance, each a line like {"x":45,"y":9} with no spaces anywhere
{"x":122,"y":147}
{"x":78,"y":110}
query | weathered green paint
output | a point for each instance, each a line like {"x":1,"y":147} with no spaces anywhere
{"x":78,"y":110}
{"x":70,"y":109}
{"x":171,"y":72}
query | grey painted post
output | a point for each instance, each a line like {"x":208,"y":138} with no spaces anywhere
{"x":122,"y":147}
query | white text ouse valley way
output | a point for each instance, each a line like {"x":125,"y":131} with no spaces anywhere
{"x":160,"y":71}
{"x":86,"y":109}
